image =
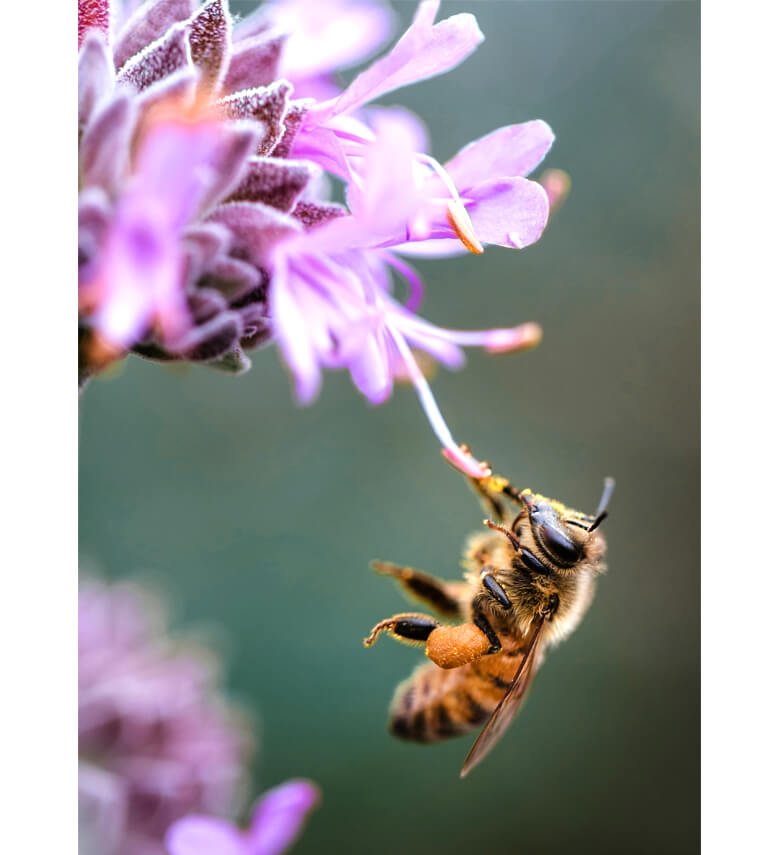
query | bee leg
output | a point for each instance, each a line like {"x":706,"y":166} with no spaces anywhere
{"x":493,"y":587}
{"x":410,"y":628}
{"x":489,"y":501}
{"x":480,"y":620}
{"x":442,"y":597}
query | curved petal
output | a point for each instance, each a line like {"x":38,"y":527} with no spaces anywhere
{"x":254,"y":62}
{"x":509,"y":211}
{"x":93,"y":14}
{"x":326,"y":35}
{"x":204,"y":835}
{"x":106,"y":142}
{"x":169,"y":53}
{"x":290,"y":330}
{"x":369,"y":367}
{"x":425,"y":50}
{"x":255,"y":228}
{"x":95,"y":75}
{"x":432,"y":248}
{"x":505,"y":153}
{"x":147,"y":24}
{"x":209,"y":40}
{"x":279,"y":817}
{"x":388,"y":195}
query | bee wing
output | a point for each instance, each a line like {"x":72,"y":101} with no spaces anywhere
{"x":507,"y":707}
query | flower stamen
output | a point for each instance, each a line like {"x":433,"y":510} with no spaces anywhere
{"x":456,"y":212}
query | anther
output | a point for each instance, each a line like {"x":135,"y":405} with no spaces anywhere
{"x":455,"y":212}
{"x":522,"y":337}
{"x":459,"y":220}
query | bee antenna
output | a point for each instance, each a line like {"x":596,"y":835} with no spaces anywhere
{"x":505,"y":531}
{"x":601,"y":511}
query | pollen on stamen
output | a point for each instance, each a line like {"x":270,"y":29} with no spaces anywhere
{"x":523,"y":337}
{"x":461,"y":459}
{"x":459,"y":220}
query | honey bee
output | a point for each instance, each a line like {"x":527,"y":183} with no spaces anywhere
{"x":529,"y":580}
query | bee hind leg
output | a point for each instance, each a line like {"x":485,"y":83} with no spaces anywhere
{"x":410,"y":628}
{"x":440,"y":596}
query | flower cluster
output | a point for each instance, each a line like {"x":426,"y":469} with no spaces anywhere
{"x":206,"y":227}
{"x":158,"y":745}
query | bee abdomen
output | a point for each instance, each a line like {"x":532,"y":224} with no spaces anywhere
{"x":433,"y":704}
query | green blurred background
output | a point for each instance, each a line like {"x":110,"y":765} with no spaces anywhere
{"x":261,"y":517}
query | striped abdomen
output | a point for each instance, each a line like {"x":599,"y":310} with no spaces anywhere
{"x":434,"y":704}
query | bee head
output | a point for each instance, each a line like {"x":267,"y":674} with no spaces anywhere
{"x":562,"y":543}
{"x":562,"y":534}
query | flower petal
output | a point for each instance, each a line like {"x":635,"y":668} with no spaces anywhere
{"x":231,"y":277}
{"x":94,"y":212}
{"x":327,"y":35}
{"x":505,"y":153}
{"x":105,"y":145}
{"x":388,"y":196}
{"x":425,"y":50}
{"x":212,"y":339}
{"x":95,"y":75}
{"x":432,"y":248}
{"x":277,"y":183}
{"x":265,"y":104}
{"x":209,"y":36}
{"x":147,"y":24}
{"x":315,"y":214}
{"x":292,"y":122}
{"x":324,"y":147}
{"x":508,"y":211}
{"x":256,"y":228}
{"x":254,"y":62}
{"x":93,"y":14}
{"x":160,"y":59}
{"x":206,"y":241}
{"x":231,"y":160}
{"x":257,"y":326}
{"x":279,"y":816}
{"x":205,"y":835}
{"x":291,"y":332}
{"x":186,"y":164}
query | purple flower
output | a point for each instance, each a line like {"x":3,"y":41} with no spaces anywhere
{"x":331,"y":299}
{"x":320,"y":37}
{"x":204,"y":228}
{"x":276,"y":823}
{"x":425,"y":50}
{"x":156,"y":739}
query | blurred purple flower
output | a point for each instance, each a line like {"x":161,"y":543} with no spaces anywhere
{"x":320,"y":37}
{"x":204,"y":228}
{"x":156,"y":739}
{"x":276,"y":823}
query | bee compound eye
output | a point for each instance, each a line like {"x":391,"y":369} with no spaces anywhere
{"x":558,"y":545}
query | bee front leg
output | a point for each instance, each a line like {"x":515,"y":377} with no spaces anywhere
{"x":493,"y":587}
{"x":492,"y":591}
